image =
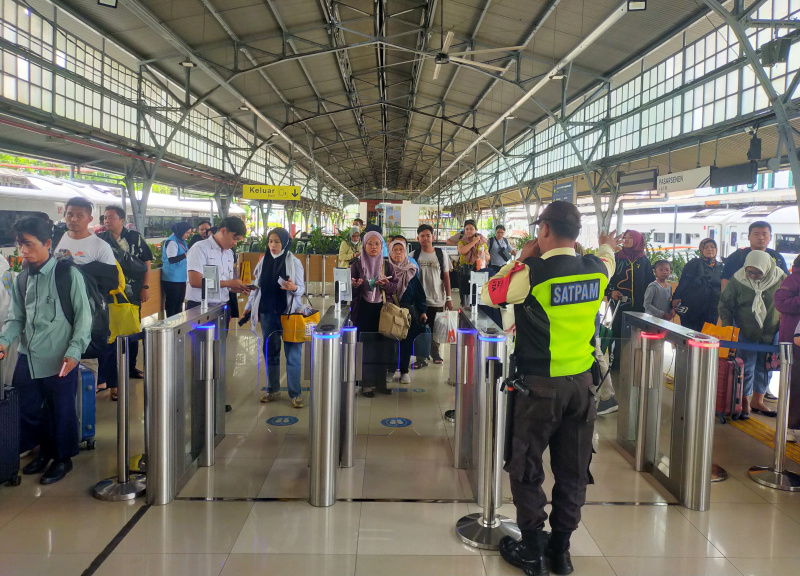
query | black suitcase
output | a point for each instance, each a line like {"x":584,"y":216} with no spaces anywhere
{"x":9,"y":436}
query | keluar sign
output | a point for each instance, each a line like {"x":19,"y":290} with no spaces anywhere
{"x":270,"y":192}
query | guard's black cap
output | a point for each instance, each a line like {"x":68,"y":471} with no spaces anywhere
{"x":561,"y":211}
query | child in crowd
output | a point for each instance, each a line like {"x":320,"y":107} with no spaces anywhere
{"x":658,"y":295}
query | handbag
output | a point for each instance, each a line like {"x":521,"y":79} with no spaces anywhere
{"x":773,"y":363}
{"x":123,"y":317}
{"x":729,"y":333}
{"x":394,"y":320}
{"x":299,"y":326}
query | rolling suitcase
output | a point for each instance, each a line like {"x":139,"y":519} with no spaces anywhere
{"x":85,"y":404}
{"x":9,"y":428}
{"x":730,"y":389}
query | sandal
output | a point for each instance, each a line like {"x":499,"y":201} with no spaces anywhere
{"x":419,"y":364}
{"x":438,"y":360}
{"x":114,"y":396}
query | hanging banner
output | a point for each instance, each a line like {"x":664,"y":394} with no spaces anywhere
{"x":682,"y":181}
{"x":270,"y":192}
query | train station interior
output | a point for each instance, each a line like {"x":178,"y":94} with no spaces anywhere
{"x":679,"y":119}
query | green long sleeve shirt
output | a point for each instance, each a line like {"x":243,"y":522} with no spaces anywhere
{"x":45,"y":334}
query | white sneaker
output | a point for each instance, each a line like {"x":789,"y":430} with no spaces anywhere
{"x":405,"y":378}
{"x":297,"y":402}
{"x":792,"y":435}
{"x":393,"y":377}
{"x":270,"y":397}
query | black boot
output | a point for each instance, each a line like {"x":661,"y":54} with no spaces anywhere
{"x":557,"y":552}
{"x":527,"y":553}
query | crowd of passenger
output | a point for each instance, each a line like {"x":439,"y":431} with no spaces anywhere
{"x":51,"y":307}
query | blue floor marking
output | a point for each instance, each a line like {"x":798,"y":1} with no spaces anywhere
{"x":282,"y":421}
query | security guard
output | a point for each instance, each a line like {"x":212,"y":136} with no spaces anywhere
{"x":556,"y":296}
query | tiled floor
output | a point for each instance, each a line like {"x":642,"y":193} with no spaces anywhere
{"x":61,"y":529}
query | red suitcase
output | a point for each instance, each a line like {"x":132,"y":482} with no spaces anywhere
{"x":730,"y":388}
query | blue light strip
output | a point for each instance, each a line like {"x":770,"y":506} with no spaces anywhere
{"x":491,"y":338}
{"x":325,"y":336}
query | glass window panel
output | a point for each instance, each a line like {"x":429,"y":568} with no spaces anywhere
{"x":731,"y":107}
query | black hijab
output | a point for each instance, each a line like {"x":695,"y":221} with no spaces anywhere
{"x":273,"y":297}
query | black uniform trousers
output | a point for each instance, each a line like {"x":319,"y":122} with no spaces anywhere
{"x":48,"y":416}
{"x":559,"y":413}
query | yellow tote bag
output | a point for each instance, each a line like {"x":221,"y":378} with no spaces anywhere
{"x":123,"y":317}
{"x":298,"y":328}
{"x":728,"y":333}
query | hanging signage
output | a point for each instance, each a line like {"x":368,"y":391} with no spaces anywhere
{"x":564,"y":191}
{"x":682,"y":181}
{"x":642,"y":181}
{"x":270,"y":192}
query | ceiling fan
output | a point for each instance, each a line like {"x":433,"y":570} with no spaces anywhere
{"x":446,"y":57}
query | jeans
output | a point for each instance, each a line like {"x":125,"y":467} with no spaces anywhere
{"x":756,"y":377}
{"x":273,"y":335}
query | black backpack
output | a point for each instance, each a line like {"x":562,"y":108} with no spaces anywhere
{"x":439,"y":257}
{"x":99,"y":307}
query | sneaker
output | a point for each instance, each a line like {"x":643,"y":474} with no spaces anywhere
{"x":770,"y":396}
{"x":297,"y":402}
{"x":270,"y":397}
{"x":792,"y":435}
{"x":405,"y":378}
{"x":607,"y":406}
{"x":390,"y":377}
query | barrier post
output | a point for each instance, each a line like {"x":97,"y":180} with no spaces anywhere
{"x":776,"y":476}
{"x":208,"y":377}
{"x":348,"y":422}
{"x":123,"y":486}
{"x":462,"y":415}
{"x":485,"y":529}
{"x":326,"y":398}
{"x":650,"y":371}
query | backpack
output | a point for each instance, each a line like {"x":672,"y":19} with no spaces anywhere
{"x":97,"y":303}
{"x":439,"y":257}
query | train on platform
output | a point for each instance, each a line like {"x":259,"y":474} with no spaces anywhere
{"x":32,"y":195}
{"x":682,"y":222}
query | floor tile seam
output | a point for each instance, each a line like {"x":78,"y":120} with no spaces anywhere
{"x":25,"y":508}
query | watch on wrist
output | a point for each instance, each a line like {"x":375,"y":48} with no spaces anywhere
{"x":145,"y":287}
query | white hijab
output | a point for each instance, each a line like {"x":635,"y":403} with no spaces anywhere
{"x":772,"y":274}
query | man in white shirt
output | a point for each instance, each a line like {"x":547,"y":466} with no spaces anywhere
{"x":217,"y":250}
{"x":434,"y":269}
{"x":96,"y":260}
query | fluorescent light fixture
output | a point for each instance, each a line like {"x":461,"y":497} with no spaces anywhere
{"x":558,"y":76}
{"x":188,"y":64}
{"x":243,"y":107}
{"x":637,"y":6}
{"x":108,"y":3}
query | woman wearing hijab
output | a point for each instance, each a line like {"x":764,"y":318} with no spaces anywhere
{"x":787,"y":302}
{"x":470,"y":248}
{"x":748,"y":302}
{"x":371,"y":276}
{"x":280,"y":286}
{"x":699,"y":288}
{"x":410,"y":294}
{"x":173,"y":268}
{"x":629,"y":282}
{"x":350,"y":248}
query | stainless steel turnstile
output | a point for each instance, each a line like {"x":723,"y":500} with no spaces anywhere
{"x":184,"y":397}
{"x":331,"y":433}
{"x":481,"y":367}
{"x":669,"y":433}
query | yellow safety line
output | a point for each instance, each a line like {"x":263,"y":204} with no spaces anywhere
{"x":766,"y":435}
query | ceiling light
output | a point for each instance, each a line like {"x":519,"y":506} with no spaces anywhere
{"x":558,"y":76}
{"x":108,"y":3}
{"x":243,"y":107}
{"x":637,"y":6}
{"x":188,"y":64}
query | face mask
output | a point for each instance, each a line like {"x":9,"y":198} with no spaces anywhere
{"x":276,"y":255}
